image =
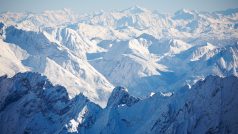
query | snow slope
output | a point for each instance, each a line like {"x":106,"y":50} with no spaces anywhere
{"x":127,"y":63}
{"x":57,"y":61}
{"x":10,"y":59}
{"x":143,"y":50}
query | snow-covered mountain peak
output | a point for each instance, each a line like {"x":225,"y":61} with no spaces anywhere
{"x":33,"y":104}
{"x":199,"y":51}
{"x":176,"y":46}
{"x":139,"y":49}
{"x":26,"y":83}
{"x":63,"y":51}
{"x":120,"y":96}
{"x":185,"y":14}
{"x":208,"y":106}
{"x":135,"y":10}
{"x":62,"y":11}
{"x":30,"y":104}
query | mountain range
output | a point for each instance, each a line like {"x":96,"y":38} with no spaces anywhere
{"x":127,"y":71}
{"x":31,"y":104}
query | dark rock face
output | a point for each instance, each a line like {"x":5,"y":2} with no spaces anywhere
{"x":121,"y":96}
{"x":207,"y":107}
{"x":32,"y":104}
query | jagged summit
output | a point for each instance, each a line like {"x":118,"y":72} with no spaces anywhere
{"x":30,"y":103}
{"x":44,"y":53}
{"x":144,"y":51}
{"x":207,"y":102}
{"x":70,"y":46}
{"x":120,"y":96}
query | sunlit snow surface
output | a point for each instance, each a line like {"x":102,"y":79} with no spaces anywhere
{"x":142,"y":50}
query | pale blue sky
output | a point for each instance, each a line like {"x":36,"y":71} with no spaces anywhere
{"x":83,"y":6}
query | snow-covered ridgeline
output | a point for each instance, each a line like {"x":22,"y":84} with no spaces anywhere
{"x":31,"y":104}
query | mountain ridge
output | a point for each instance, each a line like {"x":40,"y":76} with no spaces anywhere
{"x":30,"y":104}
{"x":144,"y":52}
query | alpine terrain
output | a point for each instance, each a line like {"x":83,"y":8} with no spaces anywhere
{"x":119,"y":72}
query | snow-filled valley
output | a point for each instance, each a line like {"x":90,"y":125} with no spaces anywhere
{"x":128,"y":71}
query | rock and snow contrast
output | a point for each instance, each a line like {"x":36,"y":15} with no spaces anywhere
{"x":210,"y":106}
{"x":31,"y":104}
{"x":142,"y":50}
{"x":150,"y":55}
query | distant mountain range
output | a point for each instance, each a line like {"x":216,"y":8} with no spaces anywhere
{"x":142,"y":50}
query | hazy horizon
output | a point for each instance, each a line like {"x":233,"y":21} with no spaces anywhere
{"x":80,"y":6}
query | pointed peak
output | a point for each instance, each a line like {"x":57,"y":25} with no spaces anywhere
{"x":136,"y":7}
{"x":135,"y":10}
{"x":120,"y":96}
